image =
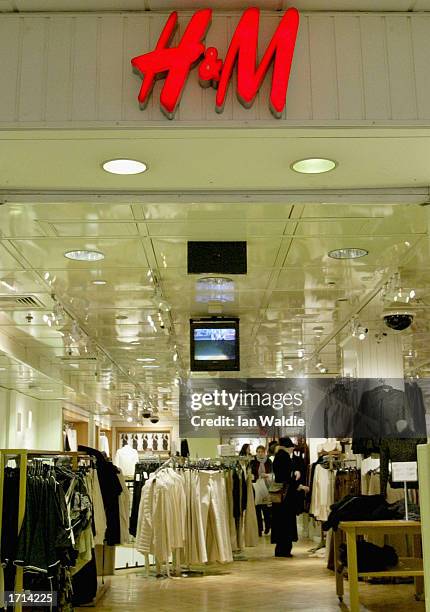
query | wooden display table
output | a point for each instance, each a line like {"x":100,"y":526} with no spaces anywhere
{"x":407,"y":566}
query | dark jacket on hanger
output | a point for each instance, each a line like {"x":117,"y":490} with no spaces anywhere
{"x":376,"y":418}
{"x":415,"y":409}
{"x":111,"y":490}
{"x":185,"y":449}
{"x":401,"y":449}
{"x":240,"y":493}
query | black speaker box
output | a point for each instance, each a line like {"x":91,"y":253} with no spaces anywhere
{"x":217,"y":258}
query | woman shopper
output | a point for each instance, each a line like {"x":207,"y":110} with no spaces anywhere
{"x":284,"y":521}
{"x":245,"y":451}
{"x":262,"y":468}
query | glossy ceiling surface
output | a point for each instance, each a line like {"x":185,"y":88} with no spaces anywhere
{"x":134,"y":329}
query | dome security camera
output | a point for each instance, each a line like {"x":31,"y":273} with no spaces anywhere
{"x":154,"y":419}
{"x":398,"y":320}
{"x":146,"y":413}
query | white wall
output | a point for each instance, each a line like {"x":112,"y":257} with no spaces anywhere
{"x":370,"y":359}
{"x":203,"y":447}
{"x":29,"y":423}
{"x":349,"y":69}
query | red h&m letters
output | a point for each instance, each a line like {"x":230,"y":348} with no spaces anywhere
{"x":175,"y":63}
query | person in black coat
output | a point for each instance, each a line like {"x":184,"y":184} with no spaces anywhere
{"x":284,"y":519}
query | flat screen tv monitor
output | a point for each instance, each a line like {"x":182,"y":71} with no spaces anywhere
{"x":214,"y":345}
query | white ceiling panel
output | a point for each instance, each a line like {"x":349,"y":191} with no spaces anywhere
{"x":293,"y":296}
{"x":243,"y":159}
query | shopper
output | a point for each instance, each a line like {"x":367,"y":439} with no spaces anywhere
{"x":284,"y":521}
{"x":245,"y":451}
{"x":261,"y":468}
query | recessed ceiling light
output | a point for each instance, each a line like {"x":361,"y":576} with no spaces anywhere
{"x":348,"y":253}
{"x":313,"y":165}
{"x":2,"y":369}
{"x":99,"y":282}
{"x":150,"y":366}
{"x":124,"y":166}
{"x":84,"y":255}
{"x":145,"y":359}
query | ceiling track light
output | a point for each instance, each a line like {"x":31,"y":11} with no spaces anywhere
{"x":358,"y":330}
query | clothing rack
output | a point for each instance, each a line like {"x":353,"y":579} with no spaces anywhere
{"x":165,"y":465}
{"x":334,"y":463}
{"x":191,"y":463}
{"x":23,"y":457}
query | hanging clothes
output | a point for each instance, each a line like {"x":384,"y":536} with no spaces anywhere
{"x":415,"y":409}
{"x":189,"y":512}
{"x":143,"y":469}
{"x":56,"y":540}
{"x":124,"y":510}
{"x":72,"y":439}
{"x":378,"y":413}
{"x":99,"y":514}
{"x":250,"y":521}
{"x":126,"y":459}
{"x":322,"y":492}
{"x":397,"y":450}
{"x":9,"y":536}
{"x":104,"y":444}
{"x":111,"y":489}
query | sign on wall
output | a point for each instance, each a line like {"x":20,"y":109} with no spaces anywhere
{"x":174,"y":63}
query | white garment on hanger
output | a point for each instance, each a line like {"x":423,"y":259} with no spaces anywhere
{"x":104,"y":444}
{"x":126,"y":459}
{"x":124,"y":510}
{"x":72,"y":438}
{"x":322,"y":492}
{"x":99,"y":514}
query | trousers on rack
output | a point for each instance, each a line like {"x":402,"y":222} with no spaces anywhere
{"x":214,"y":516}
{"x":195,"y":545}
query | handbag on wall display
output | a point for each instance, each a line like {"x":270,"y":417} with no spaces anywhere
{"x":278,"y":492}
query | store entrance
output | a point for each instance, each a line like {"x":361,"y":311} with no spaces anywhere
{"x":96,"y":301}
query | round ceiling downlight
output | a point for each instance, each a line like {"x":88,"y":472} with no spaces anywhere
{"x":124,"y":166}
{"x":313,"y":165}
{"x":84,"y":255}
{"x":348,"y":253}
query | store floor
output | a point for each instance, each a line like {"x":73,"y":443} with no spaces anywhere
{"x":261,"y":583}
